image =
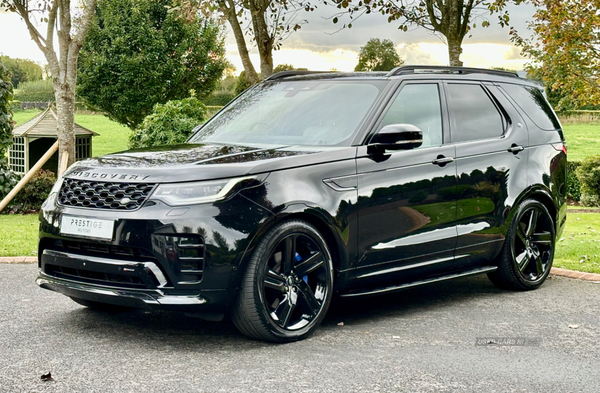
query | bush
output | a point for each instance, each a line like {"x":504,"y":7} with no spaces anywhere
{"x":8,"y":179}
{"x":219,"y":98}
{"x":169,"y":123}
{"x":35,"y":192}
{"x":573,"y":184}
{"x":36,"y":91}
{"x":589,"y":177}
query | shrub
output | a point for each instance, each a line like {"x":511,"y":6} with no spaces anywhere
{"x":35,"y":192}
{"x":589,"y":177}
{"x":220,"y":98}
{"x":8,"y":179}
{"x":169,"y":123}
{"x":573,"y":184}
{"x":36,"y":91}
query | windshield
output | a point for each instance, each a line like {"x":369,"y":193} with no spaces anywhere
{"x":315,"y":112}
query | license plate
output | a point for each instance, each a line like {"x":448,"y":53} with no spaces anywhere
{"x":87,"y":227}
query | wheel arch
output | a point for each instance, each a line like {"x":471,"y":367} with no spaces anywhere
{"x":543,"y":195}
{"x":316,"y":216}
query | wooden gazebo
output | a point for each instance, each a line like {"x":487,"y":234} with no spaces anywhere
{"x":32,"y":139}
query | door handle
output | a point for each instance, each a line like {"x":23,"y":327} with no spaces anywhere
{"x":514,"y":148}
{"x":442,"y":160}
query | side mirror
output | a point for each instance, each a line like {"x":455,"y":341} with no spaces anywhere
{"x":396,"y":137}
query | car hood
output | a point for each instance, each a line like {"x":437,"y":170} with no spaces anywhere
{"x":189,"y":162}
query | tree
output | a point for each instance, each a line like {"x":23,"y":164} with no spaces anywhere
{"x":6,"y":122}
{"x":564,"y":49}
{"x":139,"y":54}
{"x":69,"y":28}
{"x":452,"y":19}
{"x":378,"y":55}
{"x":22,"y":70}
{"x":268,"y":22}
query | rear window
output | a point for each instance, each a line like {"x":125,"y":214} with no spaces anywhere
{"x":532,"y":101}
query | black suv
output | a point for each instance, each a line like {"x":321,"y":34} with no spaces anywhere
{"x":315,"y":184}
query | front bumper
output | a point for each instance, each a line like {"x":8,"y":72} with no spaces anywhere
{"x":147,"y":262}
{"x":206,"y":301}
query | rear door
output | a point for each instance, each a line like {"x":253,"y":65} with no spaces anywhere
{"x":491,"y":161}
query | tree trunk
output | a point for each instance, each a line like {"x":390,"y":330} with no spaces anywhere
{"x":454,"y":51}
{"x":64,"y":94}
{"x":264,"y":42}
{"x":230,"y":12}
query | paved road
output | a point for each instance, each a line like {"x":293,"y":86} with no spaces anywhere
{"x":418,"y":340}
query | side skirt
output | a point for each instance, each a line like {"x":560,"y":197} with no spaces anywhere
{"x":472,"y":272}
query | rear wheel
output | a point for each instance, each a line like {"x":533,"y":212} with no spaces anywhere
{"x":528,"y":250}
{"x":287,"y":287}
{"x":97,"y":306}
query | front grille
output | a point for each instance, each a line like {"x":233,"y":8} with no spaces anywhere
{"x":119,"y":280}
{"x":104,"y":195}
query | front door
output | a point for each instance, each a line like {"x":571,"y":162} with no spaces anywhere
{"x":407,"y":199}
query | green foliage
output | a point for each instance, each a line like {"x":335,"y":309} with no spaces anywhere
{"x":242,"y":83}
{"x":138,"y":54}
{"x":169,"y":123}
{"x":36,"y":91}
{"x":8,"y":179}
{"x":35,"y":192}
{"x":6,"y":122}
{"x":378,"y":55}
{"x":220,"y":98}
{"x":573,"y":184}
{"x":21,"y":70}
{"x":589,"y":177}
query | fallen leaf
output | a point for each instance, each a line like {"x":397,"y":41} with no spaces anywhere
{"x":47,"y":377}
{"x":396,"y":337}
{"x":341,"y":324}
{"x":573,"y":326}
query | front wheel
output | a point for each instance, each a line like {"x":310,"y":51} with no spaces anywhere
{"x":528,"y":250}
{"x":287,"y":287}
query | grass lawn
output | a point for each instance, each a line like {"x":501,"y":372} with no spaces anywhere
{"x":113,"y":136}
{"x":583,"y":140}
{"x":19,"y":235}
{"x":22,"y":116}
{"x":579,"y":246}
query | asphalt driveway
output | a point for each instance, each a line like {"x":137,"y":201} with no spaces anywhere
{"x":448,"y":337}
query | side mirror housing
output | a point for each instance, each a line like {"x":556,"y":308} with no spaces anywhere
{"x":396,"y":137}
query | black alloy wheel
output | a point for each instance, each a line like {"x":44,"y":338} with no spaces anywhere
{"x":528,"y":251}
{"x":288,"y":285}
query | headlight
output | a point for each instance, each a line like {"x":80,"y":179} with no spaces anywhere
{"x":177,"y":194}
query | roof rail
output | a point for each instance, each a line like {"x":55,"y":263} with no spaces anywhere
{"x":285,"y":74}
{"x":421,"y":69}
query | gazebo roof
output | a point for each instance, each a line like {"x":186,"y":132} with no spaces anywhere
{"x":45,"y":125}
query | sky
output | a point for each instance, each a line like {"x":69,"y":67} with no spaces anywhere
{"x":321,"y":45}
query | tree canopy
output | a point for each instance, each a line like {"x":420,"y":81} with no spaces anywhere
{"x":378,"y":55}
{"x":139,"y":53}
{"x":564,"y":49}
{"x":22,"y":70}
{"x":450,"y":19}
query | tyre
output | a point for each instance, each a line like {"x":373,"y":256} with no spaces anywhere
{"x":97,"y":306}
{"x":287,"y":286}
{"x":528,"y":250}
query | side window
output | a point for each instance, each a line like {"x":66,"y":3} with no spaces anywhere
{"x":534,"y":104}
{"x":473,"y":114}
{"x":419,"y":105}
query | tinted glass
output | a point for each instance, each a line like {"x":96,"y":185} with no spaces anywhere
{"x":534,"y":104}
{"x":315,"y":112}
{"x":474,"y":115}
{"x":418,"y":105}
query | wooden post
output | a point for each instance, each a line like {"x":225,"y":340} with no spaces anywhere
{"x":38,"y":165}
{"x":62,"y":167}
